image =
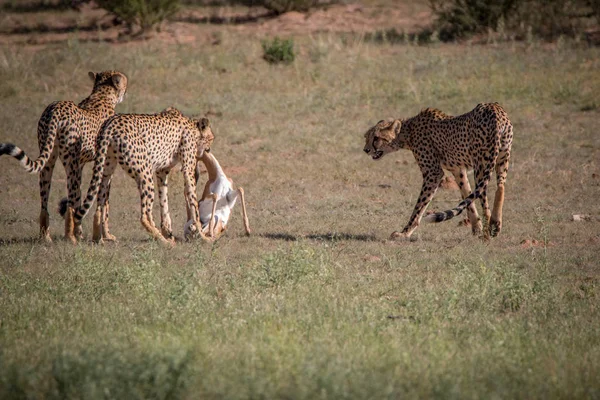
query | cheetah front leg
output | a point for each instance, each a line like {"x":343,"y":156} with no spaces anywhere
{"x":191,"y":201}
{"x":460,"y":176}
{"x":432,"y":177}
{"x":165,"y":218}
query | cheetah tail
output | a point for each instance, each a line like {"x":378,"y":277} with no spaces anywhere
{"x":63,"y":206}
{"x":449,"y":214}
{"x":31,"y":166}
{"x":102,"y":142}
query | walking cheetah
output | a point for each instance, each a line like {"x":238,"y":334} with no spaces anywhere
{"x":480,"y":139}
{"x":145,"y":145}
{"x":74,"y":128}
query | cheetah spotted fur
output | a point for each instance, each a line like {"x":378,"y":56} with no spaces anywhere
{"x":145,"y":145}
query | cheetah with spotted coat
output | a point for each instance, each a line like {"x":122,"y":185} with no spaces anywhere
{"x":74,"y":127}
{"x":145,"y":145}
{"x":480,"y":140}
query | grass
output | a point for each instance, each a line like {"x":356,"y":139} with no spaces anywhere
{"x":315,"y":304}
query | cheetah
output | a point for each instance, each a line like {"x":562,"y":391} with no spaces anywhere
{"x":480,"y":140}
{"x":145,"y":145}
{"x":74,"y":127}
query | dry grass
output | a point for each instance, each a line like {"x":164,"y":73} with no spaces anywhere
{"x":300,"y":309}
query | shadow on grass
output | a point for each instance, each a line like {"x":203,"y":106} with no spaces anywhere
{"x":326,"y":237}
{"x":34,"y":6}
{"x":21,"y":240}
{"x":232,"y":20}
{"x":43,"y":28}
{"x":104,"y":26}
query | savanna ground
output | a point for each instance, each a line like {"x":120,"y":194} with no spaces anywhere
{"x":316,"y":303}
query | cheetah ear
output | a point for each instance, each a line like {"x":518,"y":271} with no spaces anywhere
{"x":119,"y":81}
{"x":396,"y":126}
{"x":203,"y":123}
{"x":92,"y":75}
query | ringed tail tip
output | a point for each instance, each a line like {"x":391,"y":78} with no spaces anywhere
{"x":62,"y":207}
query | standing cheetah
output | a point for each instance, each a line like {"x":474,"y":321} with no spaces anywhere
{"x":480,"y":139}
{"x":145,"y":145}
{"x":74,"y":128}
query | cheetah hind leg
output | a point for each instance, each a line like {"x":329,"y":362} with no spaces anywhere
{"x":465,"y":188}
{"x":44,"y":226}
{"x":495,"y":225}
{"x":70,"y":226}
{"x":45,"y":179}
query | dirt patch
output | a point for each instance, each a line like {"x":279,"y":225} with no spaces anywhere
{"x":347,"y":18}
{"x":197,"y":25}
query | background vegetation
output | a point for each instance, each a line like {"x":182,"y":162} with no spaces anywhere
{"x":453,"y":19}
{"x":316,"y":303}
{"x":456,"y":19}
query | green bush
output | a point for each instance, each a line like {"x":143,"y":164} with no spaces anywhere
{"x":553,"y":18}
{"x":457,"y":19}
{"x":279,"y":51}
{"x":145,"y":14}
{"x":98,"y":373}
{"x":116,"y":371}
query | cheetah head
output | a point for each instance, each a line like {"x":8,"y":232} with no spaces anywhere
{"x":114,"y":79}
{"x":205,"y":138}
{"x":378,"y":139}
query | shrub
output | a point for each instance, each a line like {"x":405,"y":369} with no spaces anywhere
{"x":145,"y":14}
{"x":460,"y":18}
{"x":392,"y":36}
{"x":98,"y":372}
{"x":279,"y":51}
{"x":456,"y":19}
{"x":553,"y":18}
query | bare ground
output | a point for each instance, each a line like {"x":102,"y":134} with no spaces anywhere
{"x":199,"y":25}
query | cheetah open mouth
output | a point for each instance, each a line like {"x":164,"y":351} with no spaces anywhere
{"x":377,"y":155}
